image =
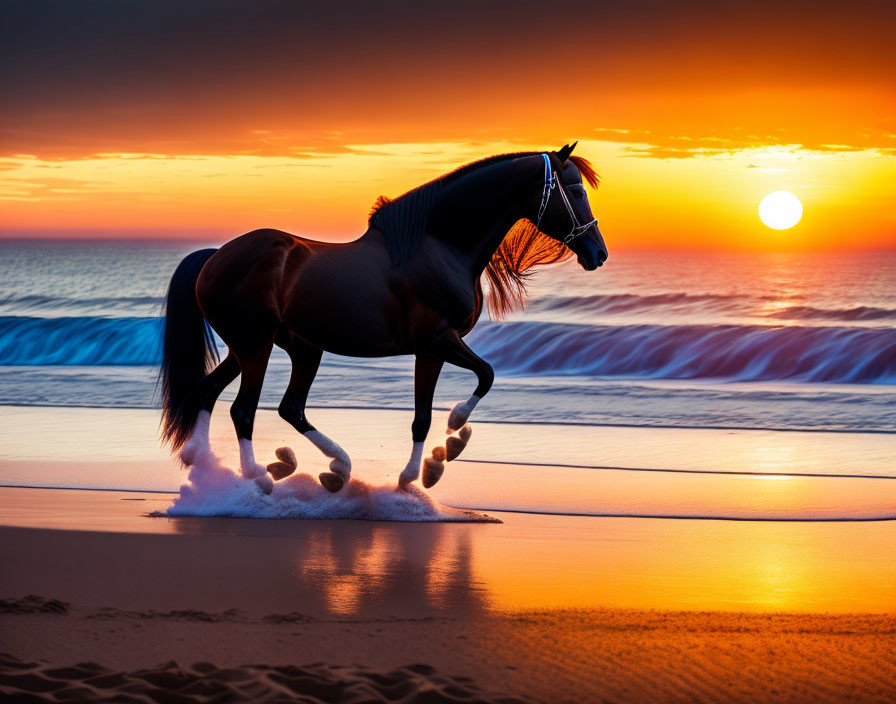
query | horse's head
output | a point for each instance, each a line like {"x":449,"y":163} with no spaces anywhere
{"x":564,"y":212}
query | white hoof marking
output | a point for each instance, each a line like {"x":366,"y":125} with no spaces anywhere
{"x":412,"y":468}
{"x":341,"y":463}
{"x":198,"y":443}
{"x":248,"y":466}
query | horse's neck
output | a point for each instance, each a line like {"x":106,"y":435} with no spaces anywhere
{"x":476,"y":212}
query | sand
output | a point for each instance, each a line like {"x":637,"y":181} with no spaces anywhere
{"x":536,"y":608}
{"x":575,"y":656}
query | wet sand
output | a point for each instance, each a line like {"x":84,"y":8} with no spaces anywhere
{"x":540,"y":608}
{"x":537,"y":607}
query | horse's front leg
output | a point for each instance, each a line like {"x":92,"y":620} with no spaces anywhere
{"x":426,"y":374}
{"x":447,"y":347}
{"x":455,"y":351}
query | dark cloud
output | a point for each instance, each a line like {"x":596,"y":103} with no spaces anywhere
{"x":205,"y":76}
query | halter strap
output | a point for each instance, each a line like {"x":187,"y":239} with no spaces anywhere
{"x":551,"y":181}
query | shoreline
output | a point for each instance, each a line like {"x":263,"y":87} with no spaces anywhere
{"x":96,"y":600}
{"x":866,"y":388}
{"x":526,"y":562}
{"x":489,"y":509}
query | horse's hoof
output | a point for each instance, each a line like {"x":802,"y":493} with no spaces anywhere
{"x":459,"y":415}
{"x":265,"y":483}
{"x":341,"y":466}
{"x":438,"y":453}
{"x":432,"y":472}
{"x":331,"y":481}
{"x":287,"y":456}
{"x":280,"y":470}
{"x":465,"y":432}
{"x":454,"y":446}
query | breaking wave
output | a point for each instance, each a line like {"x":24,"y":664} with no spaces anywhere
{"x":710,"y":303}
{"x":620,"y":303}
{"x":863,"y":355}
{"x":857,"y":313}
{"x":729,"y":352}
{"x":82,"y":341}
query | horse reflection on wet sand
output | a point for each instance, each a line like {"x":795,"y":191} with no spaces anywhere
{"x":409,"y":285}
{"x":320,"y":568}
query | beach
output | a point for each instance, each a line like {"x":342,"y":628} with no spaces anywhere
{"x":418,"y":353}
{"x":789,"y":597}
{"x":670,"y":495}
{"x":540,"y":608}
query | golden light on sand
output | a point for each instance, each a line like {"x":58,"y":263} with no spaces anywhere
{"x":780,"y":210}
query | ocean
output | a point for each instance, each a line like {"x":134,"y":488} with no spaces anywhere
{"x":766,"y":341}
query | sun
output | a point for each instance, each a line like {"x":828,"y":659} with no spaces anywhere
{"x":780,"y":210}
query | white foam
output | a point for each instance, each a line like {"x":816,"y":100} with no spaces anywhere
{"x":215,"y":490}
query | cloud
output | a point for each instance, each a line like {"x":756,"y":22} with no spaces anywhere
{"x":281,"y":78}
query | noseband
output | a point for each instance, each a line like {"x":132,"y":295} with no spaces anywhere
{"x":551,"y":181}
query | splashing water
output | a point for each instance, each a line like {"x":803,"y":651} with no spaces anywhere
{"x":215,"y":490}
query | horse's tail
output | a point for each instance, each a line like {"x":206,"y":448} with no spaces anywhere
{"x":188,"y":353}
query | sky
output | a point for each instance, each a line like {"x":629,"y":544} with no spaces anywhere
{"x":207,"y":119}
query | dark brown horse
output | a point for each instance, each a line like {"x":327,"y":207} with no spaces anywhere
{"x":409,"y":285}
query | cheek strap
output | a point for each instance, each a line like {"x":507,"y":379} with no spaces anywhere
{"x":550,"y":183}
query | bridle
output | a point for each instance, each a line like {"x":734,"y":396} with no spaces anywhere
{"x":551,"y":181}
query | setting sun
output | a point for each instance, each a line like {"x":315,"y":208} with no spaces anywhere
{"x":780,"y":210}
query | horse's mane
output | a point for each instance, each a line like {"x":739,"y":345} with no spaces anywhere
{"x":403,"y":221}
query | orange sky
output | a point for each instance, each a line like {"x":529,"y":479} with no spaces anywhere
{"x":208,"y":119}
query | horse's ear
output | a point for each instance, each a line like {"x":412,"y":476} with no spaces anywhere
{"x":564,"y":153}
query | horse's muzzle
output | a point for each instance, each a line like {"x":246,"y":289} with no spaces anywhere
{"x":590,"y":254}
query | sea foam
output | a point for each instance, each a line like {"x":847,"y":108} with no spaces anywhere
{"x":213,"y":489}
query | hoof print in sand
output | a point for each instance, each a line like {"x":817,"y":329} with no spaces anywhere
{"x":331,"y":481}
{"x":432,"y":471}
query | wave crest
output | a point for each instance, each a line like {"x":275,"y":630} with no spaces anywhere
{"x":730,"y":352}
{"x":845,"y":355}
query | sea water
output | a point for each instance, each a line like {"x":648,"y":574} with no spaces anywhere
{"x":757,"y":387}
{"x":771,"y":341}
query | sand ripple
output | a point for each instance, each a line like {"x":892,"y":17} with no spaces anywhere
{"x":204,"y":682}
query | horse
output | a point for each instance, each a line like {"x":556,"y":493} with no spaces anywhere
{"x":410,"y":285}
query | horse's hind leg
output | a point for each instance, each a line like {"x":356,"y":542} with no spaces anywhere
{"x":426,"y":374}
{"x":209,"y":389}
{"x":253,"y":363}
{"x":305,"y":362}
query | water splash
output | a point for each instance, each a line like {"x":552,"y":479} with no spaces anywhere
{"x":215,"y":490}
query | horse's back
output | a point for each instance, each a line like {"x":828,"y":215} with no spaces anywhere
{"x":240,"y":283}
